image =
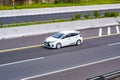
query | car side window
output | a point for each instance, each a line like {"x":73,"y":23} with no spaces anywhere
{"x":67,"y":36}
{"x":74,"y":34}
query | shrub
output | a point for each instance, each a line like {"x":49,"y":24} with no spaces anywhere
{"x":77,"y":16}
{"x":107,"y":14}
{"x":111,"y":14}
{"x":96,"y":14}
{"x":1,"y":24}
{"x":87,"y":16}
{"x":114,"y":14}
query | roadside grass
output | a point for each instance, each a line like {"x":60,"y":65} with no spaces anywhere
{"x":5,"y":7}
{"x":33,"y":23}
{"x":46,"y":5}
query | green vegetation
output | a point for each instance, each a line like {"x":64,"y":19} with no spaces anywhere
{"x":97,"y":14}
{"x":1,"y":24}
{"x":5,"y":7}
{"x":76,"y":16}
{"x":111,"y":14}
{"x":87,"y":16}
{"x":33,"y":23}
{"x":58,"y":3}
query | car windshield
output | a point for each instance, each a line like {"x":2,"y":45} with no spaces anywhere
{"x":58,"y":35}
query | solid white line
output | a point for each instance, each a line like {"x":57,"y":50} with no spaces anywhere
{"x":114,"y":44}
{"x":21,"y":61}
{"x":117,"y":29}
{"x":70,"y":68}
{"x":100,"y":31}
{"x":109,"y":31}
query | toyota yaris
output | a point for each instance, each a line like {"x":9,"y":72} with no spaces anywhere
{"x":63,"y":38}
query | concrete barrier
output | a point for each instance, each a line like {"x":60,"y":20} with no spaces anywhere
{"x":6,"y":33}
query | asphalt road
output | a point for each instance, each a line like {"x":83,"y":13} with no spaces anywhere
{"x":24,"y":54}
{"x":12,"y":56}
{"x":45,"y":17}
{"x":97,"y":53}
{"x":81,"y":73}
{"x":94,"y":57}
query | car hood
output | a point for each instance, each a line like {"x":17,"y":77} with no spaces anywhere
{"x":50,"y":39}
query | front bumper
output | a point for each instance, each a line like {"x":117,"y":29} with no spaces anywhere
{"x":49,"y":45}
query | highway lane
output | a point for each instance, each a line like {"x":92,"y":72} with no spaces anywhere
{"x":91,"y":61}
{"x":81,"y":73}
{"x":18,"y":55}
{"x":45,"y":17}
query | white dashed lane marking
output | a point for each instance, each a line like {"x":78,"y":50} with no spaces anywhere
{"x":23,"y":61}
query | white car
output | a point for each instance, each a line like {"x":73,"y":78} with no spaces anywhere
{"x":63,"y":38}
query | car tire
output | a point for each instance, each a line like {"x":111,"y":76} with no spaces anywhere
{"x":58,"y":46}
{"x":78,"y":42}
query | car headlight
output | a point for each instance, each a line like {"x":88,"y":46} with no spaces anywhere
{"x":52,"y":41}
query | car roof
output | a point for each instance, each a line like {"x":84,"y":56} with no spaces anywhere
{"x":67,"y":32}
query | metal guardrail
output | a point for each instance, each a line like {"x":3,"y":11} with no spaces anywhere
{"x":109,"y":76}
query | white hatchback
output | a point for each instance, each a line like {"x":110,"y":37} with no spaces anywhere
{"x":63,"y":38}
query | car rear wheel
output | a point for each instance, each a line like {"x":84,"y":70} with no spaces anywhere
{"x":58,"y":46}
{"x":78,"y":42}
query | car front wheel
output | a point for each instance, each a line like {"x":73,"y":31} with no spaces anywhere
{"x":58,"y":46}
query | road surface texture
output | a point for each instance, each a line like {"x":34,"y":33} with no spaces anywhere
{"x":100,"y":56}
{"x":97,"y":55}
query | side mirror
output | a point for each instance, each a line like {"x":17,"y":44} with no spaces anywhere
{"x":63,"y":37}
